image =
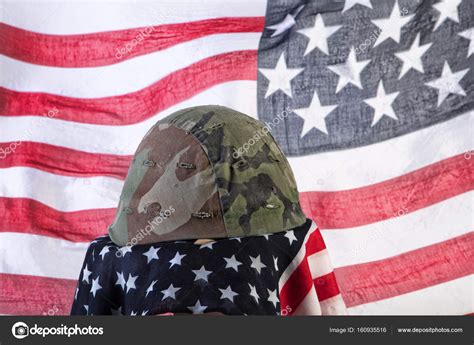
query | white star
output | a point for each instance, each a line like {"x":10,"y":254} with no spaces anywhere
{"x":95,"y":286}
{"x":318,"y":35}
{"x":275,"y":263}
{"x":349,"y":72}
{"x":207,"y":245}
{"x":272,"y":297}
{"x":382,"y":104}
{"x":280,"y":77}
{"x":201,"y":273}
{"x":104,"y":251}
{"x":144,"y":312}
{"x":177,"y":259}
{"x":257,"y":264}
{"x":469,"y":35}
{"x":391,"y":27}
{"x":232,"y":263}
{"x":228,"y":293}
{"x":75,"y":294}
{"x":287,"y":23}
{"x":290,"y":235}
{"x":448,"y":83}
{"x":253,"y":292}
{"x":237,"y":239}
{"x":412,"y":57}
{"x":150,"y":288}
{"x":351,"y":3}
{"x":447,"y":9}
{"x":120,"y":280}
{"x":267,"y":236}
{"x":170,"y":292}
{"x":85,"y":275}
{"x":133,"y":313}
{"x":314,"y":116}
{"x":151,"y":254}
{"x":86,"y":307}
{"x":131,"y":282}
{"x":123,"y":251}
{"x":197,"y":308}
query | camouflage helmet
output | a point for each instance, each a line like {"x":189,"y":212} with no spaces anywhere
{"x":206,"y":172}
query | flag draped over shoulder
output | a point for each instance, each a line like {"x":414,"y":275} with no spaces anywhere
{"x":372,"y":101}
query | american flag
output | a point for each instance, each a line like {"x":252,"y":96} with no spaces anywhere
{"x":286,"y":273}
{"x":377,"y":98}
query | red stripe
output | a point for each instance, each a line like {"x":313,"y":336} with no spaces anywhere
{"x":326,"y":286}
{"x":64,"y":161}
{"x":31,"y":295}
{"x":404,"y":194}
{"x":407,"y":272}
{"x":105,"y":48}
{"x":140,"y":105}
{"x":300,"y":281}
{"x":32,"y":217}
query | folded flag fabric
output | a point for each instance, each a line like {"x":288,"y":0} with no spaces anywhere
{"x":286,"y":273}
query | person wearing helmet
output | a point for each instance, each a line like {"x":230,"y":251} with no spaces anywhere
{"x":209,"y":220}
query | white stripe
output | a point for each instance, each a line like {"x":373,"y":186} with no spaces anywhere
{"x":451,"y":298}
{"x":319,"y":264}
{"x":334,"y":306}
{"x":297,"y":259}
{"x":64,"y":193}
{"x":40,"y":256}
{"x":367,"y":165}
{"x":308,"y":306}
{"x":122,"y":77}
{"x":120,"y":140}
{"x":377,"y":241}
{"x":75,"y":17}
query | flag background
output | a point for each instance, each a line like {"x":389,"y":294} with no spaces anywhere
{"x":81,"y":83}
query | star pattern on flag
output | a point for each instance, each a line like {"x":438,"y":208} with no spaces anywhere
{"x":280,"y":77}
{"x":469,"y":35}
{"x":351,"y":3}
{"x":95,"y":286}
{"x":104,"y":251}
{"x":382,"y":104}
{"x":391,"y":27}
{"x":314,"y":116}
{"x":257,"y":264}
{"x":411,"y":58}
{"x":287,"y":23}
{"x":177,"y":259}
{"x":349,"y":72}
{"x":318,"y":35}
{"x":170,"y":292}
{"x":197,"y":308}
{"x":448,"y":9}
{"x":448,"y":83}
{"x":232,"y":263}
{"x":85,"y":275}
{"x":130,"y":284}
{"x":227,"y":293}
{"x":151,"y":254}
{"x":145,"y":281}
{"x":201,"y":273}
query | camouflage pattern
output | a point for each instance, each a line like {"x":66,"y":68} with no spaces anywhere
{"x":206,"y":172}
